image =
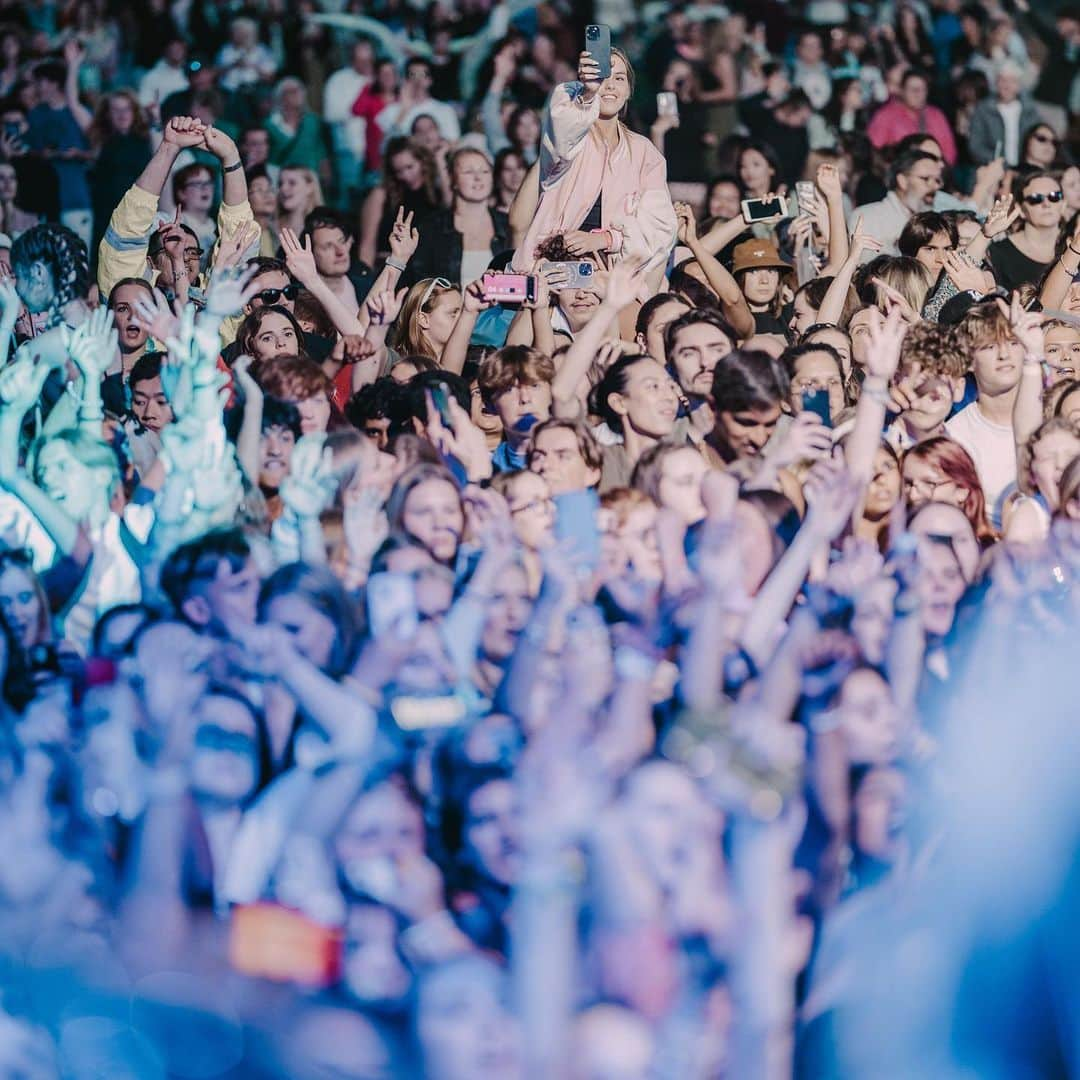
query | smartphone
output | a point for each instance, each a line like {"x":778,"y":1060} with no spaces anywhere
{"x":576,"y":521}
{"x":509,"y":288}
{"x":427,"y":713}
{"x":11,"y":130}
{"x":763,"y":209}
{"x":391,"y":604}
{"x":817,"y":402}
{"x":807,"y":196}
{"x":269,"y":941}
{"x":440,"y":396}
{"x":667,"y":104}
{"x":578,"y":275}
{"x":598,"y":46}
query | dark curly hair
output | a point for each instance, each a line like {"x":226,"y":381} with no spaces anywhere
{"x":63,"y":253}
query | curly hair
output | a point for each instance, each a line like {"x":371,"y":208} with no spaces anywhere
{"x":935,"y":348}
{"x":63,"y":253}
{"x":102,"y":127}
{"x":395,"y":190}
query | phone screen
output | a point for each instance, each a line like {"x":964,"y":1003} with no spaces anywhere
{"x":817,"y":402}
{"x":391,"y":604}
{"x":763,"y":209}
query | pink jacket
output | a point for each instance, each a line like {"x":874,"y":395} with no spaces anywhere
{"x":575,"y":163}
{"x":894,"y":120}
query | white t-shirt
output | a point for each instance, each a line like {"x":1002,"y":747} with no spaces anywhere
{"x":444,"y":115}
{"x":1010,"y":117}
{"x":993,"y":449}
{"x":339,"y":93}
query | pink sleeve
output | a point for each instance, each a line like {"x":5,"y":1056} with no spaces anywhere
{"x":567,"y":120}
{"x":878,"y":129}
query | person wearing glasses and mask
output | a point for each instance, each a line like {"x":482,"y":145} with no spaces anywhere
{"x":1026,"y":254}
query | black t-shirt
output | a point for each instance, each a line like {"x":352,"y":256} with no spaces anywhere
{"x":1012,"y":267}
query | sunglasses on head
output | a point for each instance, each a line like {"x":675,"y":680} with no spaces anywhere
{"x":272,"y":296}
{"x":1038,"y":198}
{"x":435,"y":283}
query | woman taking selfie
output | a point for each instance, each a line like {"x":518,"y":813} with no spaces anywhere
{"x":601,"y":185}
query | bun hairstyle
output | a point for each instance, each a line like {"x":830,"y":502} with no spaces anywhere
{"x":613,"y":382}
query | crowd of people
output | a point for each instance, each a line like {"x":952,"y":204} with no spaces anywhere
{"x":501,"y":541}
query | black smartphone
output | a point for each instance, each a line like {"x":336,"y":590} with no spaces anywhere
{"x":817,"y":402}
{"x":598,"y":46}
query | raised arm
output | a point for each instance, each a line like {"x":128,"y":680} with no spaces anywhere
{"x":74,"y":54}
{"x":833,"y":305}
{"x":828,"y":183}
{"x":623,"y":284}
{"x":732,"y":302}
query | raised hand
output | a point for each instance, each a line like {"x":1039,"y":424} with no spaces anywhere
{"x":299,"y":258}
{"x":309,"y":486}
{"x":463,"y":440}
{"x":684,"y":215}
{"x":580,"y":243}
{"x":241,"y":371}
{"x":473,"y":299}
{"x":74,"y":53}
{"x":94,"y":344}
{"x":220,"y":145}
{"x":229,"y":291}
{"x":1002,"y":215}
{"x":588,"y":73}
{"x":963,"y":275}
{"x":894,"y":299}
{"x":21,"y":382}
{"x":859,"y":241}
{"x":157,"y":318}
{"x":886,"y":338}
{"x":807,"y":438}
{"x":404,"y":239}
{"x":828,"y":183}
{"x":624,"y":283}
{"x":384,"y":307}
{"x":1026,"y":325}
{"x":230,"y":251}
{"x":185,"y":132}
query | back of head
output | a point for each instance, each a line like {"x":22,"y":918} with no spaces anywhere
{"x":199,"y":561}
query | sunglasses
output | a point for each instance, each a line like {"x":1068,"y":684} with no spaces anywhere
{"x":435,"y":283}
{"x":1045,"y":139}
{"x":1039,"y":199}
{"x":272,"y":296}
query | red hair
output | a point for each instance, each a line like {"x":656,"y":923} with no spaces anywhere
{"x":954,"y":463}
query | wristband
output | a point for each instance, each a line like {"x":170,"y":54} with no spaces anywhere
{"x":238,"y":164}
{"x":633,"y":665}
{"x":399,"y":266}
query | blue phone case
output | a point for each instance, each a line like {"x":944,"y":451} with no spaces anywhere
{"x":576,"y":522}
{"x":598,"y":46}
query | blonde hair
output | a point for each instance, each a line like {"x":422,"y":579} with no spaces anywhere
{"x":422,"y":298}
{"x":315,"y":192}
{"x":908,"y":277}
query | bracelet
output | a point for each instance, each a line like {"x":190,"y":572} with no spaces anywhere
{"x":396,"y":265}
{"x":238,"y":164}
{"x":875,"y":393}
{"x":1068,"y":244}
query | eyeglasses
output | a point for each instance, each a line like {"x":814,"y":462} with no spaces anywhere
{"x":1038,"y":199}
{"x":199,"y":183}
{"x":435,"y":283}
{"x":925,"y":486}
{"x":534,"y":504}
{"x":272,"y":296}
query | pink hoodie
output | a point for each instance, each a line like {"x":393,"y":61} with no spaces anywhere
{"x":575,"y":162}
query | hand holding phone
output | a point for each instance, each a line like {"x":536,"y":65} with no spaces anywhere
{"x":509,"y":288}
{"x":576,"y":523}
{"x":667,"y":104}
{"x":806,"y":194}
